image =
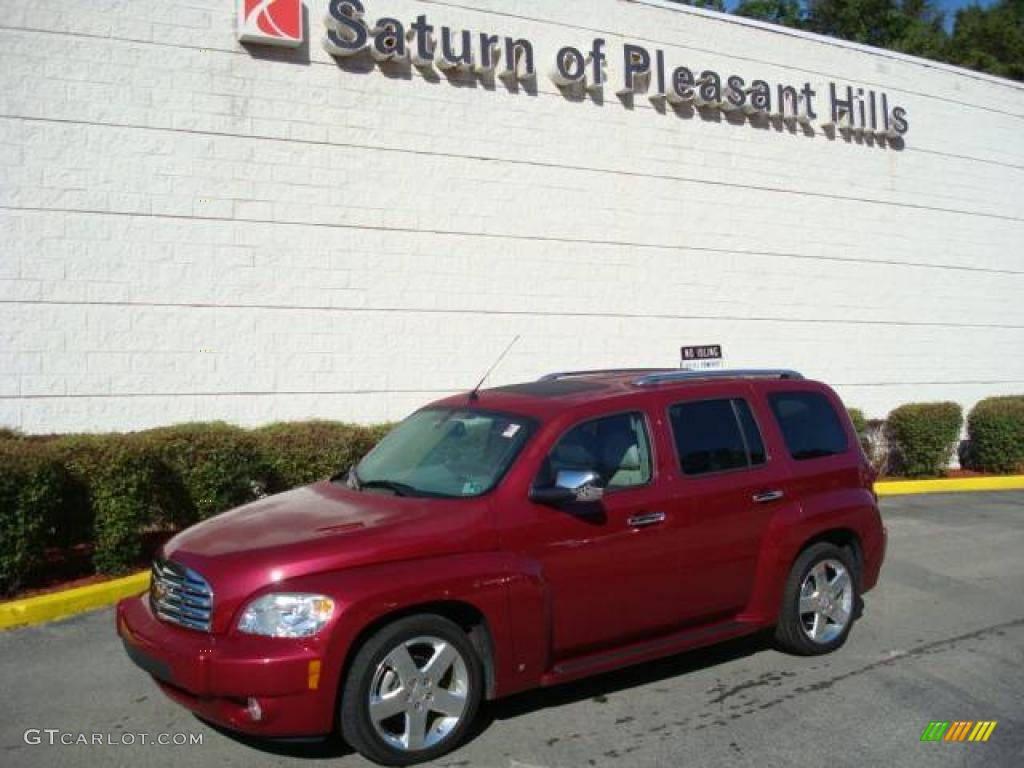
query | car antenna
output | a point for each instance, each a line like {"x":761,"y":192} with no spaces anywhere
{"x":474,"y":393}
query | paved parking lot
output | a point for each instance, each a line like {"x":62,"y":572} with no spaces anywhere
{"x":942,"y":638}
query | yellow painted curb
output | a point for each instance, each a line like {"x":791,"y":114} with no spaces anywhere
{"x":950,"y":485}
{"x":57,"y":605}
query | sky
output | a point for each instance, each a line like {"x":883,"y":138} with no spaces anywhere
{"x":952,"y":6}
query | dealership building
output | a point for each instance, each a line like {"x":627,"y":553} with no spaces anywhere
{"x":261,"y":210}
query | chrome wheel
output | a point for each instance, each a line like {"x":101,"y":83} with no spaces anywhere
{"x":826,"y":601}
{"x":419,"y":693}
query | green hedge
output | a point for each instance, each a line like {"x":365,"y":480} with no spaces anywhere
{"x":129,"y":497}
{"x":84,"y":457}
{"x":925,"y":436}
{"x":214,"y":467}
{"x":860,"y":423}
{"x":32,"y":484}
{"x":995,"y":428}
{"x":114,"y":490}
{"x":299,"y":454}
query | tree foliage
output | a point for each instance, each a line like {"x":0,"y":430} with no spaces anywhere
{"x":710,"y":5}
{"x":990,"y":39}
{"x":786,"y":13}
{"x":984,"y":38}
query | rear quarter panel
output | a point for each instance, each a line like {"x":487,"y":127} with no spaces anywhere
{"x":833,"y":493}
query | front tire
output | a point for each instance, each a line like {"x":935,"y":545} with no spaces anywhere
{"x":818,"y":606}
{"x":412,"y":691}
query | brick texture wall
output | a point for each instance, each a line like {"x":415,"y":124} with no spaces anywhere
{"x":194,"y":229}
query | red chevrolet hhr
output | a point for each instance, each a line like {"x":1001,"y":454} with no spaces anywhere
{"x":515,"y":537}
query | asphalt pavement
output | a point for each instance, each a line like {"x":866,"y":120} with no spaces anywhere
{"x":942,"y":638}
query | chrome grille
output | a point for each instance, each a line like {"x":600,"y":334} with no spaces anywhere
{"x":180,"y":595}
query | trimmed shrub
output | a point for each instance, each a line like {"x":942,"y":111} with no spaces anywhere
{"x":122,"y":491}
{"x":85,"y":458}
{"x":860,"y":423}
{"x":299,"y":453}
{"x":860,"y":426}
{"x":32,"y":484}
{"x":117,"y":489}
{"x":126,"y":493}
{"x":995,"y":428}
{"x":217,"y":466}
{"x":924,"y":436}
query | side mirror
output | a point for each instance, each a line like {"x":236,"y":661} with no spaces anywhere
{"x":571,"y":486}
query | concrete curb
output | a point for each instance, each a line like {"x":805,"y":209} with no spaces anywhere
{"x":57,"y":605}
{"x":950,"y":485}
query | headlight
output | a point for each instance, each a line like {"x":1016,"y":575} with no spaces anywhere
{"x":286,"y":614}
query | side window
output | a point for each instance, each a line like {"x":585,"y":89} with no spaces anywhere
{"x":616,"y":447}
{"x":809,"y":424}
{"x":716,"y":436}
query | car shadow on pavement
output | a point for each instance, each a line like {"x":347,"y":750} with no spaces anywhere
{"x":597,"y":688}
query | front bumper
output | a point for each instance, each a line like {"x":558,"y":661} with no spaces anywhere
{"x":215,"y":676}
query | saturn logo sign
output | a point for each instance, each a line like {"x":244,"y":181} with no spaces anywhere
{"x":270,"y":22}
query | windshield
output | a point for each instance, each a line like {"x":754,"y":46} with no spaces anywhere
{"x":444,"y":452}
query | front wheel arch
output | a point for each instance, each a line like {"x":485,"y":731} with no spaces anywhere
{"x":468,"y":617}
{"x":374,"y":737}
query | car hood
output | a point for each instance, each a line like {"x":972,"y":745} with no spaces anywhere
{"x":300,"y":515}
{"x":321,"y":528}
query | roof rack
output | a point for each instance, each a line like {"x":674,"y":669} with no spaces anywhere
{"x":664,"y":377}
{"x":601,"y":371}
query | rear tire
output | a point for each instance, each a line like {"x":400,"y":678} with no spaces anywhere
{"x":820,"y":601}
{"x":412,"y":691}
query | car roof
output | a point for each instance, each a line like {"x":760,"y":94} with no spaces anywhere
{"x":560,"y":392}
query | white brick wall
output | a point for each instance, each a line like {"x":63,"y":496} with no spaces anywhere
{"x":190,"y":229}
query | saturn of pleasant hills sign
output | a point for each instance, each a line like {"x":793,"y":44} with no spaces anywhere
{"x":847,"y":109}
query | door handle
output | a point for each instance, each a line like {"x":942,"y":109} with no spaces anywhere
{"x":645,"y":519}
{"x":765,"y":496}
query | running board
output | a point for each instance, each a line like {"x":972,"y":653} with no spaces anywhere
{"x":667,"y":645}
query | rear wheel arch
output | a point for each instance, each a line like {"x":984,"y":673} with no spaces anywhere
{"x":821,"y":599}
{"x":844,"y":538}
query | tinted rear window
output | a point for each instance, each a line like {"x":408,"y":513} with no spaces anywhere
{"x":809,"y":424}
{"x":715,"y":436}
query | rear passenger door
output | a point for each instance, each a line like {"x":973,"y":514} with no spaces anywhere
{"x":725,"y":487}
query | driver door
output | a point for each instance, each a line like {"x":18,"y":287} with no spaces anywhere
{"x":604,"y":563}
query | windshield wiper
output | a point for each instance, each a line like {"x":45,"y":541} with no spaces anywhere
{"x":399,"y":489}
{"x":348,"y":477}
{"x":356,"y":483}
